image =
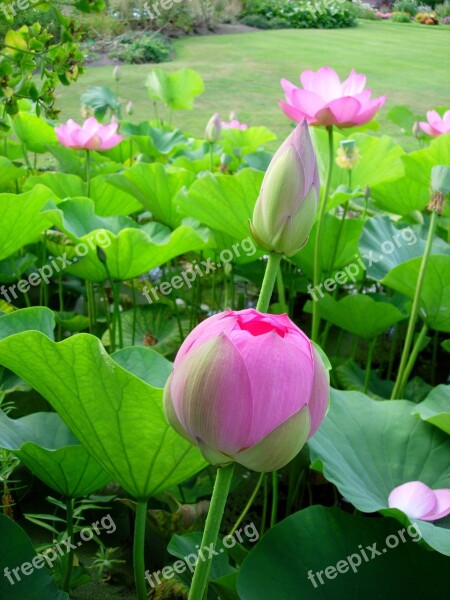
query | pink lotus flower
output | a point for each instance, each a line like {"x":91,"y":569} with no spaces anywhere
{"x":247,"y":387}
{"x":286,"y":208}
{"x":418,"y":501}
{"x":234,"y":124}
{"x":324,"y":100}
{"x":436,"y":125}
{"x":92,"y":135}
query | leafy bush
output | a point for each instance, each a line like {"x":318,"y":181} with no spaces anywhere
{"x":142,"y":49}
{"x":443,"y":10}
{"x":300,"y":15}
{"x":405,"y":6}
{"x":401,"y":17}
{"x":46,"y":18}
{"x":427,"y":19}
{"x":256,"y":21}
{"x":360,"y":10}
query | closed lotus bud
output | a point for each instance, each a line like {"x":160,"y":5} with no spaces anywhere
{"x":130,"y":108}
{"x":286,"y":208}
{"x":416,"y":129}
{"x":247,"y":387}
{"x":213,"y":129}
{"x":116,"y":73}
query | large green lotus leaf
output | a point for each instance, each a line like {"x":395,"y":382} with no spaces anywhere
{"x":151,"y":141}
{"x":400,"y":195}
{"x":47,"y":447}
{"x":133,"y":251}
{"x":435,"y":295}
{"x":153,"y":325}
{"x":418,"y":165}
{"x":368,"y":447}
{"x":247,"y":140}
{"x":38,"y":585}
{"x":145,"y":363}
{"x":176,"y":90}
{"x":117,"y":417}
{"x":37,"y":318}
{"x":34,"y":132}
{"x":20,"y":221}
{"x":108,"y":199}
{"x":156,"y":187}
{"x":360,"y":314}
{"x":224,"y":202}
{"x":76,"y":218}
{"x":380,"y":158}
{"x":286,"y":563}
{"x":346,"y":253}
{"x":351,"y":377}
{"x":9,"y":172}
{"x":436,"y":408}
{"x":386,"y":245}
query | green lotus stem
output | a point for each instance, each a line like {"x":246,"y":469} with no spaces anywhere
{"x":412,"y":359}
{"x":372,"y":345}
{"x":317,"y":247}
{"x":91,"y":305}
{"x":212,"y":527}
{"x":338,"y":240}
{"x":415,"y":309}
{"x":274,"y":512}
{"x":69,"y":521}
{"x":133,"y":295}
{"x":280,"y":289}
{"x":117,"y":315}
{"x":268,"y":283}
{"x":265,"y":505}
{"x":88,"y":173}
{"x":139,"y":549}
{"x":248,"y":505}
{"x":211,"y":157}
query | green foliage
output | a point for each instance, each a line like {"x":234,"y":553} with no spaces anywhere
{"x":299,"y":15}
{"x":401,"y":17}
{"x":405,"y":6}
{"x":443,"y":10}
{"x":140,"y":49}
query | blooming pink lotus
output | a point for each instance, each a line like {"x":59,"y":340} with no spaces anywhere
{"x":234,"y":124}
{"x":92,"y":135}
{"x":247,"y":387}
{"x":324,"y":100}
{"x":436,"y":124}
{"x":418,"y":501}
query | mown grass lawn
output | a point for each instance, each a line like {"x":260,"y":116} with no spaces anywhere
{"x":409,"y":63}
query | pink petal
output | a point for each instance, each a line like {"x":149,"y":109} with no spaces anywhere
{"x":91,"y":126}
{"x":294,"y":113}
{"x":345,"y":109}
{"x":111,"y":142}
{"x":212,"y":397}
{"x":428,"y":129}
{"x":320,"y":394}
{"x":308,"y":79}
{"x":326,"y":84}
{"x":432,"y":116}
{"x":442,"y":508}
{"x":281,"y":376}
{"x":288,"y":89}
{"x":354,"y":84}
{"x":414,"y":498}
{"x":368,"y":111}
{"x":308,"y":102}
{"x":446,"y":117}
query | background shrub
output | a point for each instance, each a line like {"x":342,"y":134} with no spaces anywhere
{"x":443,"y":10}
{"x":144,"y":48}
{"x":405,"y":6}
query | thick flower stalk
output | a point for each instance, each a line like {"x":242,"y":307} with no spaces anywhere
{"x":324,"y":100}
{"x":435,"y":124}
{"x":92,"y":135}
{"x":287,"y":205}
{"x":247,"y":387}
{"x":418,"y":501}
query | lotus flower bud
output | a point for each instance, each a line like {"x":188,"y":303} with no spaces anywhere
{"x":116,"y":73}
{"x":286,"y":208}
{"x":247,"y":387}
{"x":416,"y":129}
{"x":213,"y":129}
{"x":130,"y":108}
